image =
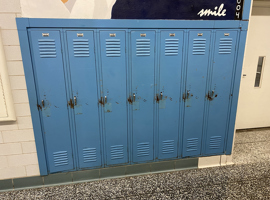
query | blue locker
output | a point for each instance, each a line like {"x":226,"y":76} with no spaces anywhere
{"x":114,"y":95}
{"x":82,"y":65}
{"x":50,"y":83}
{"x":194,"y":96}
{"x":143,"y":65}
{"x":220,"y":91}
{"x":170,"y":61}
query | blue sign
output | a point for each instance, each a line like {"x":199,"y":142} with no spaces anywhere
{"x":178,"y":9}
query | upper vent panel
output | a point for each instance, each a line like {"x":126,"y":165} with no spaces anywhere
{"x":143,"y":47}
{"x":199,"y":46}
{"x":225,"y":45}
{"x":47,"y":48}
{"x":113,"y":48}
{"x":171,"y":47}
{"x":81,"y":47}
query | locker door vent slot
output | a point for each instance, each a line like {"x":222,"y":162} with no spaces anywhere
{"x":89,"y":155}
{"x":117,"y":152}
{"x":113,"y":48}
{"x":215,"y":142}
{"x":168,"y":146}
{"x":143,"y":47}
{"x":143,"y":149}
{"x":60,"y":158}
{"x":192,"y":144}
{"x":47,"y":48}
{"x":171,"y":47}
{"x":225,"y":45}
{"x":81,"y":47}
{"x":199,"y":46}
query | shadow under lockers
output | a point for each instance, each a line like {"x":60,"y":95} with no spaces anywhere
{"x":110,"y":97}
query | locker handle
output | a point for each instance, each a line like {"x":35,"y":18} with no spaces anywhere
{"x":43,"y":104}
{"x":213,"y":91}
{"x":75,"y":100}
{"x":161,"y":95}
{"x":134,"y":97}
{"x":187,"y":94}
{"x":105,"y":99}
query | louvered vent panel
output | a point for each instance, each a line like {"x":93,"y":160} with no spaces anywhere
{"x":89,"y":155}
{"x":117,"y":152}
{"x":215,"y":142}
{"x":143,"y":149}
{"x":113,"y":48}
{"x":168,"y":146}
{"x":81,"y":47}
{"x":47,"y":48}
{"x":225,"y":45}
{"x":60,"y":158}
{"x":199,"y":46}
{"x":171,"y":47}
{"x":143,"y":47}
{"x":192,"y":144}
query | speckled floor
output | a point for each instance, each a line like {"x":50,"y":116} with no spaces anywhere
{"x":248,"y":178}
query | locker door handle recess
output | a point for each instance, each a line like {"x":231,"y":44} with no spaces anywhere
{"x":75,"y":100}
{"x":105,"y":99}
{"x":134,"y":97}
{"x":42,"y":103}
{"x":187,"y":94}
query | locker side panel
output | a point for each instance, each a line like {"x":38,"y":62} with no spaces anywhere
{"x":113,"y":65}
{"x":197,"y":64}
{"x":142,"y":61}
{"x":84,"y":89}
{"x":170,"y":79}
{"x":50,"y":81}
{"x":224,"y":60}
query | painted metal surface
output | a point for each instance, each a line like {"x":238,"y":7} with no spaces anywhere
{"x":114,"y":86}
{"x":142,"y":64}
{"x":194,"y":96}
{"x":82,"y":64}
{"x":168,"y":98}
{"x":219,"y":95}
{"x":142,"y":74}
{"x":52,"y":99}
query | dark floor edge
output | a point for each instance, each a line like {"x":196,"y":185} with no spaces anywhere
{"x":97,"y":174}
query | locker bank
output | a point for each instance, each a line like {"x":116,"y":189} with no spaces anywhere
{"x":109,"y":93}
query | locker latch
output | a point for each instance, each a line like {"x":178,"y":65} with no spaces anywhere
{"x":71,"y":104}
{"x":159,"y":97}
{"x":41,"y":106}
{"x":210,"y":95}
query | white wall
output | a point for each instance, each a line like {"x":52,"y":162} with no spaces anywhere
{"x":18,"y":156}
{"x":90,"y":9}
{"x":253,"y":105}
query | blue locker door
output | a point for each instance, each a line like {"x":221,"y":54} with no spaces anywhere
{"x":84,"y":96}
{"x":224,"y":60}
{"x":50,"y":82}
{"x":197,"y":64}
{"x":170,"y":78}
{"x":113,"y":66}
{"x":143,"y":63}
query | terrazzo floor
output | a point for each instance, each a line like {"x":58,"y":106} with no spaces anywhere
{"x":248,"y":178}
